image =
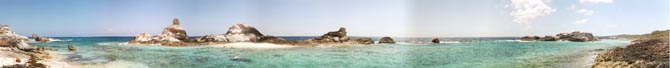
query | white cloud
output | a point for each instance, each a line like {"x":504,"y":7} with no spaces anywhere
{"x":526,"y":10}
{"x":585,"y":12}
{"x":582,"y":21}
{"x":596,"y":1}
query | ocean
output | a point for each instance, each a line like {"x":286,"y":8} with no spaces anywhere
{"x":453,"y":52}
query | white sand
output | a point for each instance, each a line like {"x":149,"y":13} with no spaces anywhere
{"x":251,"y":45}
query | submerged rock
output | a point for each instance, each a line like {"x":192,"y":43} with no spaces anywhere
{"x":387,"y":40}
{"x":41,"y":39}
{"x":236,"y":33}
{"x":71,"y":48}
{"x":236,"y":58}
{"x":366,"y":41}
{"x":436,"y":40}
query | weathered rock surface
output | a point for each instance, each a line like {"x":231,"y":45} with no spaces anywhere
{"x":236,"y":33}
{"x":338,"y":36}
{"x":41,"y":39}
{"x":577,"y":36}
{"x":242,"y":33}
{"x":171,"y":34}
{"x":10,"y":39}
{"x":574,"y":37}
{"x":272,"y":39}
{"x":365,"y":41}
{"x":647,"y":53}
{"x":71,"y":48}
{"x":212,"y":38}
{"x":436,"y":40}
{"x":388,"y":40}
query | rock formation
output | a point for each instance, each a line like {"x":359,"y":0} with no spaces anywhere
{"x":10,"y":39}
{"x":646,"y":53}
{"x":574,"y":37}
{"x":171,"y":34}
{"x":338,"y":36}
{"x":242,"y":33}
{"x":388,"y":40}
{"x":577,"y":36}
{"x":236,"y":33}
{"x":436,"y":40}
{"x":41,"y":39}
{"x":71,"y":48}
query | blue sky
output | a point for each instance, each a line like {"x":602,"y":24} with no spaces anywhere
{"x":398,"y":18}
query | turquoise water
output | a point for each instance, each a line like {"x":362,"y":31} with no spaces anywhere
{"x":470,"y":53}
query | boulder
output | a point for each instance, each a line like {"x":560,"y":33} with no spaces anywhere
{"x":212,"y":38}
{"x":171,"y":34}
{"x":272,"y":39}
{"x":10,"y":39}
{"x":365,"y":41}
{"x":242,"y":33}
{"x":387,"y":40}
{"x":174,"y":32}
{"x":549,"y":38}
{"x":236,"y":33}
{"x":71,"y":48}
{"x":338,"y":36}
{"x":41,"y":39}
{"x":577,"y":36}
{"x":436,"y":40}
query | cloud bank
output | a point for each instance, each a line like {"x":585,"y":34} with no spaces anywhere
{"x":526,"y":10}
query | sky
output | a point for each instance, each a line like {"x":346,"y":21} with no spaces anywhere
{"x":396,"y":18}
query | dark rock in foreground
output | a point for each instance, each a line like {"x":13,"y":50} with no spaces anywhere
{"x":647,"y":53}
{"x":388,"y":40}
{"x":574,"y":37}
{"x":436,"y":40}
{"x":41,"y":39}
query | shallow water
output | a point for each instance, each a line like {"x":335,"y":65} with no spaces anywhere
{"x":470,"y":53}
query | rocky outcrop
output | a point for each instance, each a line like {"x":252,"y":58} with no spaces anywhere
{"x":41,"y":39}
{"x":387,"y":40}
{"x":436,"y":40}
{"x":574,"y":37}
{"x":10,"y":39}
{"x":236,"y":33}
{"x":171,"y":34}
{"x":577,"y":36}
{"x":338,"y":36}
{"x":646,"y":53}
{"x":71,"y":48}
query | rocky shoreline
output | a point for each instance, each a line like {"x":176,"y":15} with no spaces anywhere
{"x":15,"y":46}
{"x":174,"y":35}
{"x":649,"y":51}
